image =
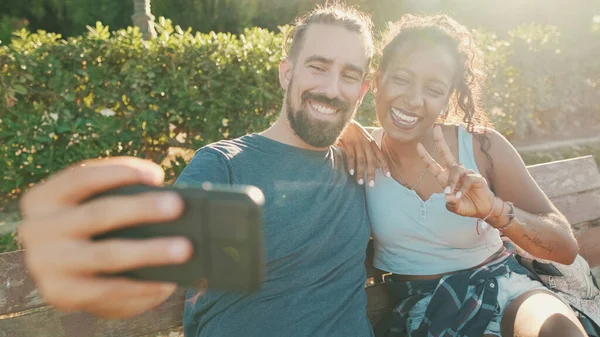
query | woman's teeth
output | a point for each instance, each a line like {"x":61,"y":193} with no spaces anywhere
{"x":403,"y":118}
{"x":323,"y":109}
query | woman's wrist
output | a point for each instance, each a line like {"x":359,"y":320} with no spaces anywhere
{"x":503,"y":215}
{"x":494,"y":211}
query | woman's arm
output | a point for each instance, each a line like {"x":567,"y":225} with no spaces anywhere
{"x":537,"y":227}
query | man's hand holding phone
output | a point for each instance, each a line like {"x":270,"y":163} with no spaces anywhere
{"x":64,"y":261}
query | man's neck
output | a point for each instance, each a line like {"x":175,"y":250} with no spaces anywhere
{"x":281,"y":131}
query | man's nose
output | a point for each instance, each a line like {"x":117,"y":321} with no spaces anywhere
{"x":331,"y":87}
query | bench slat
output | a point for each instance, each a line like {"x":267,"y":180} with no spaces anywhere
{"x":52,"y":323}
{"x":566,"y":176}
{"x":17,"y":290}
{"x":580,"y":207}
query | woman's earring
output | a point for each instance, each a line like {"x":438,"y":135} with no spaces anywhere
{"x":375,"y":90}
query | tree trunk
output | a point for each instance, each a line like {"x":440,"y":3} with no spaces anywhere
{"x":143,"y":18}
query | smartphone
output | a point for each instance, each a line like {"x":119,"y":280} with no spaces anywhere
{"x":224,"y":224}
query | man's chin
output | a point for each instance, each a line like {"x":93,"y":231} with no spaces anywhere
{"x":315,"y":131}
{"x":320,"y":137}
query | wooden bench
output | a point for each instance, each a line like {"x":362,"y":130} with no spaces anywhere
{"x":573,"y":185}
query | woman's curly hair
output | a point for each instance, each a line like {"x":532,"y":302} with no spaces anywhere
{"x":465,"y":102}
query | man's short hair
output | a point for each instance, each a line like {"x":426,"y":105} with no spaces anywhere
{"x":334,"y":14}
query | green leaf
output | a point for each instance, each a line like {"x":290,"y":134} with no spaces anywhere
{"x":20,"y":89}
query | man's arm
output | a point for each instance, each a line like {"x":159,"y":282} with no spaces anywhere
{"x":58,"y":224}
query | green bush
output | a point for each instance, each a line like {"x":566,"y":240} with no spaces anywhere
{"x":108,"y":94}
{"x":8,"y":243}
{"x":540,"y":83}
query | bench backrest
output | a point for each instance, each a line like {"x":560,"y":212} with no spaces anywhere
{"x":573,"y":185}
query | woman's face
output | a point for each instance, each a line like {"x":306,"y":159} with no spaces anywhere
{"x":414,"y":89}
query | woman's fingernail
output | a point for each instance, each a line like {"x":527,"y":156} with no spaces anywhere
{"x":372,"y":183}
{"x":361,"y":181}
{"x":351,"y":172}
{"x":169,"y":204}
{"x":447,"y":190}
{"x":458,"y":195}
{"x":388,"y":174}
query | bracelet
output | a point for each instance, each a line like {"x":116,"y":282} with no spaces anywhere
{"x":487,"y":216}
{"x":511,"y":217}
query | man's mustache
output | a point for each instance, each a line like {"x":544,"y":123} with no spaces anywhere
{"x":332,"y":102}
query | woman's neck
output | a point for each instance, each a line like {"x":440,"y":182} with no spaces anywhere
{"x":406,"y":152}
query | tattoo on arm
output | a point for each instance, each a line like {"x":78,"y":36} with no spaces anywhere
{"x":534,"y":238}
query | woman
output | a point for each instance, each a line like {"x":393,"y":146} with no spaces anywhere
{"x":452,"y":190}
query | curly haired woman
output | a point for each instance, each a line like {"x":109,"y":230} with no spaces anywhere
{"x":454,"y":186}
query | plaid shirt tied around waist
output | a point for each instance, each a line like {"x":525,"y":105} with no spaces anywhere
{"x":452,"y":312}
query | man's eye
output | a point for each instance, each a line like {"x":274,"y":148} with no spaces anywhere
{"x":317,"y":68}
{"x":400,"y":80}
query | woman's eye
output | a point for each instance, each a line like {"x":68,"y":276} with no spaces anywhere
{"x":436,"y":92}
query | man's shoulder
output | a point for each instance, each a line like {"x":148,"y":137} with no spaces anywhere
{"x":213,"y":162}
{"x":226,"y":149}
{"x":337,"y":151}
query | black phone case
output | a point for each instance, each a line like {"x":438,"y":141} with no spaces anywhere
{"x":224,"y":224}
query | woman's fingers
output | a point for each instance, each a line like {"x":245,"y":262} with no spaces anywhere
{"x":448,"y":159}
{"x":455,"y":174}
{"x":350,"y":158}
{"x":361,"y":165}
{"x":469,"y":180}
{"x":372,"y":165}
{"x":383,"y":164}
{"x":432,"y":166}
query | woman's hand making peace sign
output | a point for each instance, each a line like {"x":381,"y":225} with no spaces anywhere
{"x":467,"y":192}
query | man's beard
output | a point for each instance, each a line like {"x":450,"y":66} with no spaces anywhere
{"x":317,"y":133}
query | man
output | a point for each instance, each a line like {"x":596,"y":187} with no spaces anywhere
{"x":315,"y":222}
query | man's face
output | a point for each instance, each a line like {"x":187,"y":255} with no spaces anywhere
{"x":325,"y":83}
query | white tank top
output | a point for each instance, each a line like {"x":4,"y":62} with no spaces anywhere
{"x":416,"y":237}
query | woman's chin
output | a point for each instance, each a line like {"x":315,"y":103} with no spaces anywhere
{"x":404,"y":133}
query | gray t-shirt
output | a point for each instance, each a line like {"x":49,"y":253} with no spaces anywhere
{"x":315,"y":233}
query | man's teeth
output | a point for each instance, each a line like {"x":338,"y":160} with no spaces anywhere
{"x":403,"y":117}
{"x":323,"y":109}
